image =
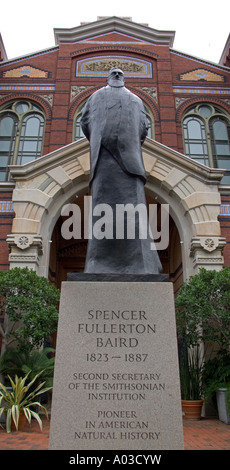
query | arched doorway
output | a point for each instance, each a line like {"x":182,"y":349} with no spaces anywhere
{"x":190,"y":189}
{"x":68,"y":255}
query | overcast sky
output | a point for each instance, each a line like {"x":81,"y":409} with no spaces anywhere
{"x":201,"y":26}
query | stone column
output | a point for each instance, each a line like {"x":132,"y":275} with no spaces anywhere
{"x":207,"y":252}
{"x":25,"y":250}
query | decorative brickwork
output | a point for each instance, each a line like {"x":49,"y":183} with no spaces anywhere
{"x":202,"y":74}
{"x":225,"y":210}
{"x":6,"y":207}
{"x":100,"y":66}
{"x":25,"y":71}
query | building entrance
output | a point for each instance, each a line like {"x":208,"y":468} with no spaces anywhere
{"x":68,"y":255}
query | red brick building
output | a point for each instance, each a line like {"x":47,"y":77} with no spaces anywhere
{"x":187,"y":101}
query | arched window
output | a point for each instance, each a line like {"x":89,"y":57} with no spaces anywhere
{"x":206,"y":129}
{"x":21,"y":135}
{"x":220,"y":145}
{"x":31,"y":138}
{"x":150,"y":119}
{"x":77,"y":130}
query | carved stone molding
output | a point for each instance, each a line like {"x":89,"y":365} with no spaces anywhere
{"x":209,"y":261}
{"x":227,"y":101}
{"x":23,"y":259}
{"x":48,"y":98}
{"x":208,"y":244}
{"x":150,"y":90}
{"x":179,"y":101}
{"x":201,"y":247}
{"x":24,"y":241}
{"x":76,"y":90}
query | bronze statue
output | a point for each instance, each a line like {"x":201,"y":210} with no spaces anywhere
{"x":114,"y":121}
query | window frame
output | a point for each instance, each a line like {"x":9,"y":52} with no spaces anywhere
{"x":21,"y":119}
{"x":216,"y":113}
{"x":76,"y":120}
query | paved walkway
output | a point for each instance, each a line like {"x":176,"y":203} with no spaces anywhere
{"x":206,"y":434}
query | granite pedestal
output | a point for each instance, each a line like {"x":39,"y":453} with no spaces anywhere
{"x":116,"y":383}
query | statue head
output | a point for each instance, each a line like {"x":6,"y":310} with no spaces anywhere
{"x":116,"y":77}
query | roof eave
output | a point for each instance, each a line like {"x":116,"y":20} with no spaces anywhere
{"x":110,"y":24}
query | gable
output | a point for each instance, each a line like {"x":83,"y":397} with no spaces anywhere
{"x":108,"y":25}
{"x":114,"y":38}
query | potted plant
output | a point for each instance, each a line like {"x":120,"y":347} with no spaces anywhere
{"x":191,"y":365}
{"x":203,"y":316}
{"x":216,"y":378}
{"x":19,"y":403}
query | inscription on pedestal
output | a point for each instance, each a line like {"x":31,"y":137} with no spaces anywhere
{"x":116,"y":373}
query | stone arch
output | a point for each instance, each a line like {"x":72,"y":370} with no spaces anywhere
{"x":44,"y":186}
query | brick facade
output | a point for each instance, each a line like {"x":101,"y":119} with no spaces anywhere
{"x":49,"y":79}
{"x":6,"y":219}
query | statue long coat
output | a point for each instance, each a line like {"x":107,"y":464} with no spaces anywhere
{"x":115,"y":118}
{"x":114,"y":121}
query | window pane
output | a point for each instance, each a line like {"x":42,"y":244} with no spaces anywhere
{"x":6,"y":126}
{"x":205,"y":111}
{"x":79,"y":132}
{"x":149,"y":134}
{"x":3,"y":161}
{"x":222,"y":149}
{"x":32,"y":126}
{"x":201,"y":160}
{"x":5,"y":145}
{"x":220,"y":130}
{"x":196,"y":149}
{"x":30,"y":146}
{"x":27,"y":159}
{"x":224,"y":163}
{"x":35,"y":108}
{"x":22,"y":108}
{"x":194,"y":129}
{"x":226,"y":179}
{"x":2,"y":175}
